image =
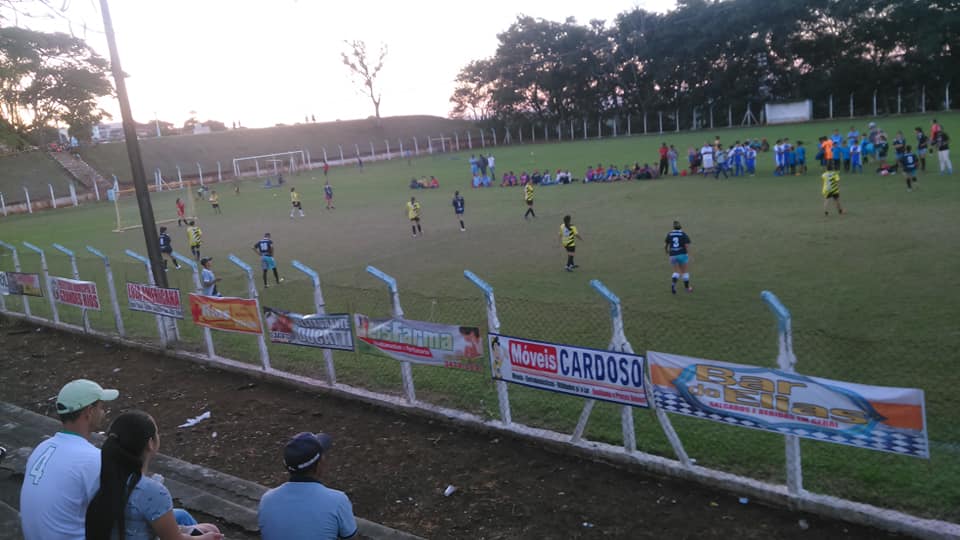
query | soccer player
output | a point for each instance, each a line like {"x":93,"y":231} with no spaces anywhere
{"x":922,"y":142}
{"x":295,"y":203}
{"x":328,"y":195}
{"x":909,"y":161}
{"x":528,"y":196}
{"x":856,"y":159}
{"x":208,"y":280}
{"x":831,"y":188}
{"x":215,"y":202}
{"x":193,"y":238}
{"x":181,"y":213}
{"x":264,"y":247}
{"x":721,"y":163}
{"x":166,"y":247}
{"x":568,"y":240}
{"x":751,"y":160}
{"x":942,"y":142}
{"x":675,"y":246}
{"x":458,"y":206}
{"x":413,"y":214}
{"x":801,"y":158}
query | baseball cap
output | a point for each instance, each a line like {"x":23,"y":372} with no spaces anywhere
{"x":205,"y":260}
{"x":305,"y":449}
{"x":80,"y":393}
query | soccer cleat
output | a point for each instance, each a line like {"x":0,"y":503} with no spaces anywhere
{"x":282,"y":280}
{"x":568,"y":268}
{"x":266,"y":285}
{"x":673,"y":288}
{"x":462,"y":230}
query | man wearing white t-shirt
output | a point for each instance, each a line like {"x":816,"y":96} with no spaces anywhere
{"x":63,"y":472}
{"x":706,"y":157}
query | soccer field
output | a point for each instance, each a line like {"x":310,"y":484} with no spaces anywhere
{"x":870,"y":291}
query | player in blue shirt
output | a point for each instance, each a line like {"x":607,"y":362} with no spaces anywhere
{"x":458,"y":207}
{"x":909,"y":161}
{"x":166,"y":248}
{"x":264,"y":247}
{"x":675,"y":246}
{"x":722,"y":167}
{"x":751,"y":160}
{"x":801,"y":158}
{"x":856,"y":159}
{"x":737,"y":151}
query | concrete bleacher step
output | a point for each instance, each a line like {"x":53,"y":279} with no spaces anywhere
{"x":197,"y":488}
{"x":80,"y":170}
{"x":9,"y":522}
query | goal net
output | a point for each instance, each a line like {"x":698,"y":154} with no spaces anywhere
{"x":164,"y":206}
{"x":783,"y":113}
{"x":270,"y":164}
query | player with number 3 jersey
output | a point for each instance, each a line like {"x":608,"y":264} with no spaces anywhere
{"x":675,"y":246}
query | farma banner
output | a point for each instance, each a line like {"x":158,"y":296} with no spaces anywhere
{"x":874,"y":417}
{"x":225,"y":313}
{"x":579,"y":371}
{"x":330,"y":331}
{"x":433,"y":344}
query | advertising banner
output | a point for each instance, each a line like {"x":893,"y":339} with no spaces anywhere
{"x":330,"y":331}
{"x":70,"y":292}
{"x":18,"y":283}
{"x":226,"y":313}
{"x":579,"y":371}
{"x":457,"y":347}
{"x":152,"y":299}
{"x":874,"y":417}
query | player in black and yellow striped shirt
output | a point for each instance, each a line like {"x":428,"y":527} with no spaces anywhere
{"x":831,"y":188}
{"x":528,"y":196}
{"x":193,"y":238}
{"x":568,"y":240}
{"x":413,"y":214}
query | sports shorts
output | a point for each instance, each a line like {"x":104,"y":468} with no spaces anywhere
{"x":570,"y":249}
{"x":679,"y":259}
{"x":267,"y":262}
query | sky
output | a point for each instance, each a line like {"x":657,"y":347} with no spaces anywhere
{"x":262,"y":63}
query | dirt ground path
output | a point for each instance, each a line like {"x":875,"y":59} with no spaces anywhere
{"x":394,"y":467}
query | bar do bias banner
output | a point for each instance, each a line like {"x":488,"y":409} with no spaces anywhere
{"x":876,"y":417}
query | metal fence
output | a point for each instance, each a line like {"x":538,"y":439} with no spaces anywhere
{"x":751,"y":462}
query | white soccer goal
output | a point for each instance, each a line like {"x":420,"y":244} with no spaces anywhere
{"x":164,"y":207}
{"x":783,"y":113}
{"x":271,"y":164}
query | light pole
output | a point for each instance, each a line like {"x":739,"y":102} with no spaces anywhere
{"x":150,"y":235}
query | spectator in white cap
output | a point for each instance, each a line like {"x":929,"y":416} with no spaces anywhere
{"x":303,"y":507}
{"x":63,"y":472}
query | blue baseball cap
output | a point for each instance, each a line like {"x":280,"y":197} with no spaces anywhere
{"x":305,"y":449}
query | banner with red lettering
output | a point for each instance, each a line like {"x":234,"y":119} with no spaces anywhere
{"x":874,"y":417}
{"x":579,"y":371}
{"x":70,"y":292}
{"x":434,"y":344}
{"x":225,"y":313}
{"x":152,"y":299}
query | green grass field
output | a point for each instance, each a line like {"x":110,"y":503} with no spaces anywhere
{"x":871,"y":292}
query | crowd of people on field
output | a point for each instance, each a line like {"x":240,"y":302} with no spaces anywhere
{"x":424,"y":183}
{"x":74,"y":490}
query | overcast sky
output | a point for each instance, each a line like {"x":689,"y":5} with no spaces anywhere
{"x":264,"y":63}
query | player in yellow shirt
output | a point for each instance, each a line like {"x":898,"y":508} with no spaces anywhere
{"x":413,"y":214}
{"x":215,"y":202}
{"x":831,"y":188}
{"x":193,"y":238}
{"x":295,"y":202}
{"x":528,"y":196}
{"x":568,"y":240}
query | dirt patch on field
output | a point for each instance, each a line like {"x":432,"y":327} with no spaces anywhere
{"x":394,"y":467}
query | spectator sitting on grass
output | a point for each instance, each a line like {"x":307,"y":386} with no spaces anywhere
{"x":434,"y":183}
{"x":524,"y":178}
{"x":303,"y":508}
{"x":414,"y":184}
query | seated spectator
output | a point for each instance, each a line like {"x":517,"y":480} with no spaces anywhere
{"x":414,"y":184}
{"x":613,"y":173}
{"x":132,"y":441}
{"x":536,"y":177}
{"x":505,"y":181}
{"x":646,"y":173}
{"x":545,"y":179}
{"x":434,"y":183}
{"x":54,"y":503}
{"x":303,"y":508}
{"x":524,"y":178}
{"x":588,"y":175}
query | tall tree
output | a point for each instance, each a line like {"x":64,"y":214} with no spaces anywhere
{"x":364,"y":68}
{"x":49,"y":79}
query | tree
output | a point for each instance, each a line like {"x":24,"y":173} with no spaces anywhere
{"x":364,"y":69}
{"x":49,"y":79}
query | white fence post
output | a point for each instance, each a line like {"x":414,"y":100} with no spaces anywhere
{"x":946,"y":97}
{"x":29,"y":204}
{"x":629,"y":126}
{"x":584,"y":129}
{"x":161,"y":327}
{"x":356,"y":149}
{"x":660,"y":115}
{"x":261,"y":340}
{"x":321,"y":309}
{"x":494,"y":132}
{"x":923,"y":99}
{"x":76,"y":276}
{"x":53,"y":198}
{"x":416,"y":147}
{"x":787,"y":362}
{"x":16,"y":268}
{"x":73,"y":195}
{"x":219,"y":173}
{"x":851,"y":104}
{"x":396,"y":311}
{"x":96,"y":189}
{"x":874,"y":102}
{"x":46,"y":280}
{"x":456,"y":140}
{"x":470,"y":139}
{"x":830,"y":107}
{"x":324,"y":150}
{"x":200,"y":172}
{"x":3,"y":204}
{"x":372,"y":152}
{"x":192,"y":263}
{"x":340,"y":147}
{"x":493,"y":327}
{"x":117,"y":318}
{"x":386,"y":143}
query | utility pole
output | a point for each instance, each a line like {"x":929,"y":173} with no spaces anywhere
{"x":150,"y":234}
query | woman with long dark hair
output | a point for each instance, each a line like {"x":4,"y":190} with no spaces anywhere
{"x":131,"y":505}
